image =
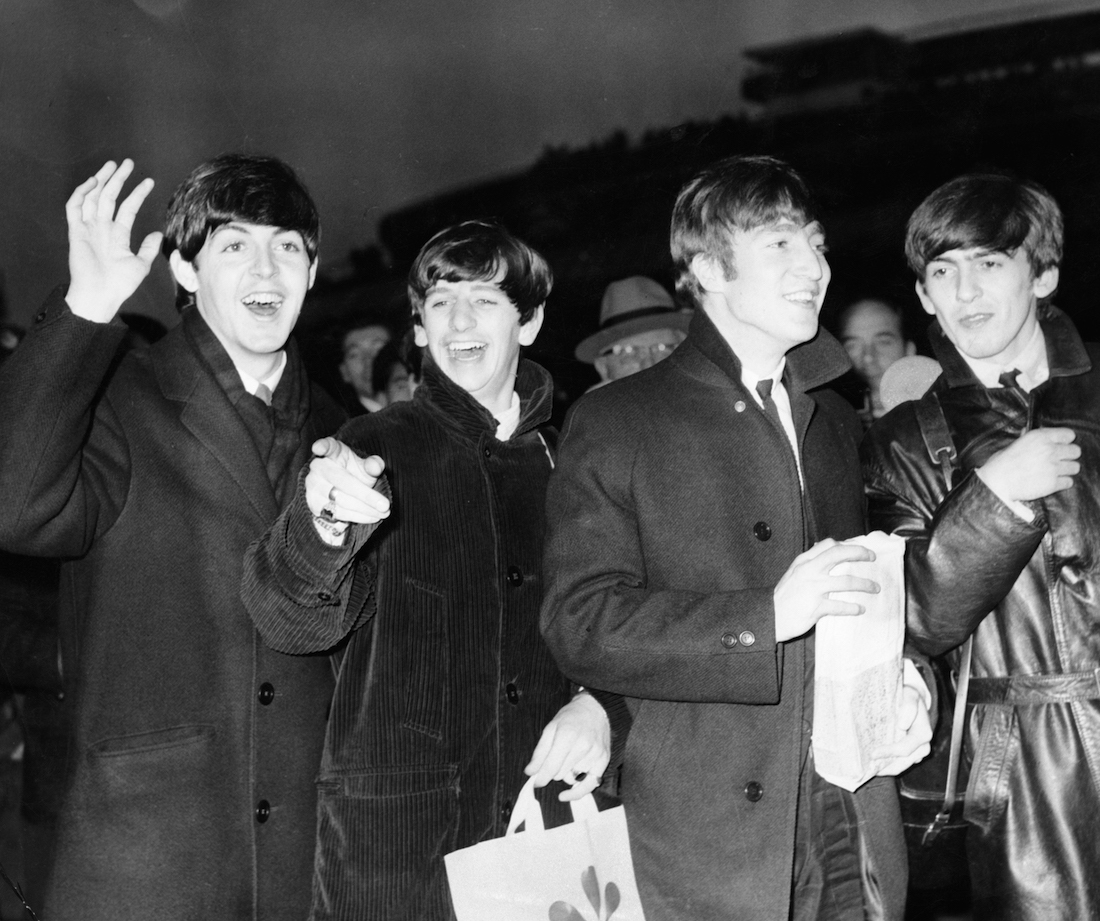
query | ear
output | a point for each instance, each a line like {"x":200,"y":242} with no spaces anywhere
{"x":184,"y":272}
{"x":313,"y":271}
{"x":420,"y":337}
{"x":925,"y":300}
{"x":708,"y":272}
{"x":529,"y":330}
{"x":910,"y":349}
{"x":1046,"y":283}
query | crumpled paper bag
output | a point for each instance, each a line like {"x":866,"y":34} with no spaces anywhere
{"x":858,"y":670}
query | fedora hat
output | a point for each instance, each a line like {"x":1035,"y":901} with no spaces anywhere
{"x":629,"y":306}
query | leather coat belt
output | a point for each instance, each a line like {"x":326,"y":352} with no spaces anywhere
{"x":1021,"y":690}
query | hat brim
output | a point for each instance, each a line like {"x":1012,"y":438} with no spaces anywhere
{"x":590,"y":348}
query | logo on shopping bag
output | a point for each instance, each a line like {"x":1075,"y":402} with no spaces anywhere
{"x":563,"y":911}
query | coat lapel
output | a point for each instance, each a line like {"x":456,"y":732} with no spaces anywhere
{"x":209,"y":415}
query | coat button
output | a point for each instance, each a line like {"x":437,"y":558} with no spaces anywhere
{"x":324,"y":596}
{"x":753,"y":791}
{"x":739,"y":406}
{"x":729,"y":640}
{"x":267,"y":693}
{"x":515,"y":576}
{"x":263,"y":811}
{"x":512,"y":693}
{"x":747,"y":637}
{"x":40,"y":317}
{"x":488,"y":452}
{"x":762,"y":530}
{"x":506,"y":811}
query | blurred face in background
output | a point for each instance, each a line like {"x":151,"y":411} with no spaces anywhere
{"x":360,"y":348}
{"x":872,"y":336}
{"x":633,"y":353}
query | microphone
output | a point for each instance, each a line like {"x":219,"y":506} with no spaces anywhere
{"x":907,"y":379}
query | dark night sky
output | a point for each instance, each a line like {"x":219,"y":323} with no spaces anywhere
{"x":377,"y":104}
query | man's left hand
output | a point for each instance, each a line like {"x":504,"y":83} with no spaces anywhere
{"x":575,"y":747}
{"x":913,"y":716}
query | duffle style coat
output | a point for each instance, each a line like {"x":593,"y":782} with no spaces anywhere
{"x":446,"y":684}
{"x":673,"y":512}
{"x":189,"y":791}
{"x":1030,"y":594}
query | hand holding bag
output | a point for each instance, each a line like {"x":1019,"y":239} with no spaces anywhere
{"x":576,"y":872}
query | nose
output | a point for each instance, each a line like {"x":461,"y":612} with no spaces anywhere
{"x":967,"y":287}
{"x":811,"y":261}
{"x":462,"y":315}
{"x":264,"y":265}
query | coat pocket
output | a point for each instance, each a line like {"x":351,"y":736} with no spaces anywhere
{"x":428,"y":680}
{"x":381,"y":837}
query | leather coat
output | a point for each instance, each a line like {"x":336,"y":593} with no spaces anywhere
{"x":1030,"y":594}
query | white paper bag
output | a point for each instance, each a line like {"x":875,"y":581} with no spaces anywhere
{"x":858,"y":670}
{"x":576,"y":872}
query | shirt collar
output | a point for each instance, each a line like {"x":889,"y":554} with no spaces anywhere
{"x":750,"y":380}
{"x":272,"y":380}
{"x":508,"y":421}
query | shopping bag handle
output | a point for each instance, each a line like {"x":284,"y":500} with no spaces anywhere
{"x":528,"y":813}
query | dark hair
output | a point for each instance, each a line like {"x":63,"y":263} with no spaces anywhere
{"x":238,"y":187}
{"x":737,"y":193}
{"x":389,"y":357}
{"x":987,"y":211}
{"x":480,"y":251}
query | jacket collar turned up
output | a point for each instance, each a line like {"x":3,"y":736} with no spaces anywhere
{"x":466,"y":417}
{"x":1066,"y":353}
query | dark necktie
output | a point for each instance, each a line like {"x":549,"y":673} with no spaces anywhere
{"x":764,"y":388}
{"x":1008,"y":379}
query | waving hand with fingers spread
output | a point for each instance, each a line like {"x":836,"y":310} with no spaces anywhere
{"x":103,"y":270}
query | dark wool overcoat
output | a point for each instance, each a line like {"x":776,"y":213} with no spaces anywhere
{"x":194,"y":747}
{"x":446,"y":684}
{"x":672,"y":515}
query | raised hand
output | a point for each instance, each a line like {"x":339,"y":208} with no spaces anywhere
{"x":340,"y":484}
{"x":1035,"y":465}
{"x":103,"y":271}
{"x":803,"y":595}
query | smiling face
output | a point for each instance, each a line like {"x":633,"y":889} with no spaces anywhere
{"x":473,"y":333}
{"x":986,"y":302}
{"x":772,"y":300}
{"x":249,"y":282}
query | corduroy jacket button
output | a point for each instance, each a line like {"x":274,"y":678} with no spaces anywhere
{"x":488,"y":452}
{"x":324,"y":596}
{"x":512,"y":693}
{"x":506,"y":811}
{"x":753,"y":792}
{"x":39,"y":317}
{"x":263,"y":811}
{"x":267,"y":693}
{"x":515,"y":576}
{"x":747,"y":637}
{"x":762,"y":530}
{"x":729,"y":640}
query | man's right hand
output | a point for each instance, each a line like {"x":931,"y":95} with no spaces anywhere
{"x":342,"y":482}
{"x":802,"y":596}
{"x":103,"y":272}
{"x":1037,"y":464}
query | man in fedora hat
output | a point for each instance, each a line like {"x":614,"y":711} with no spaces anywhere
{"x":639,"y":325}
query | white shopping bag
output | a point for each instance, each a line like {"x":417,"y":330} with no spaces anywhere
{"x":858,"y":670}
{"x":576,"y":872}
